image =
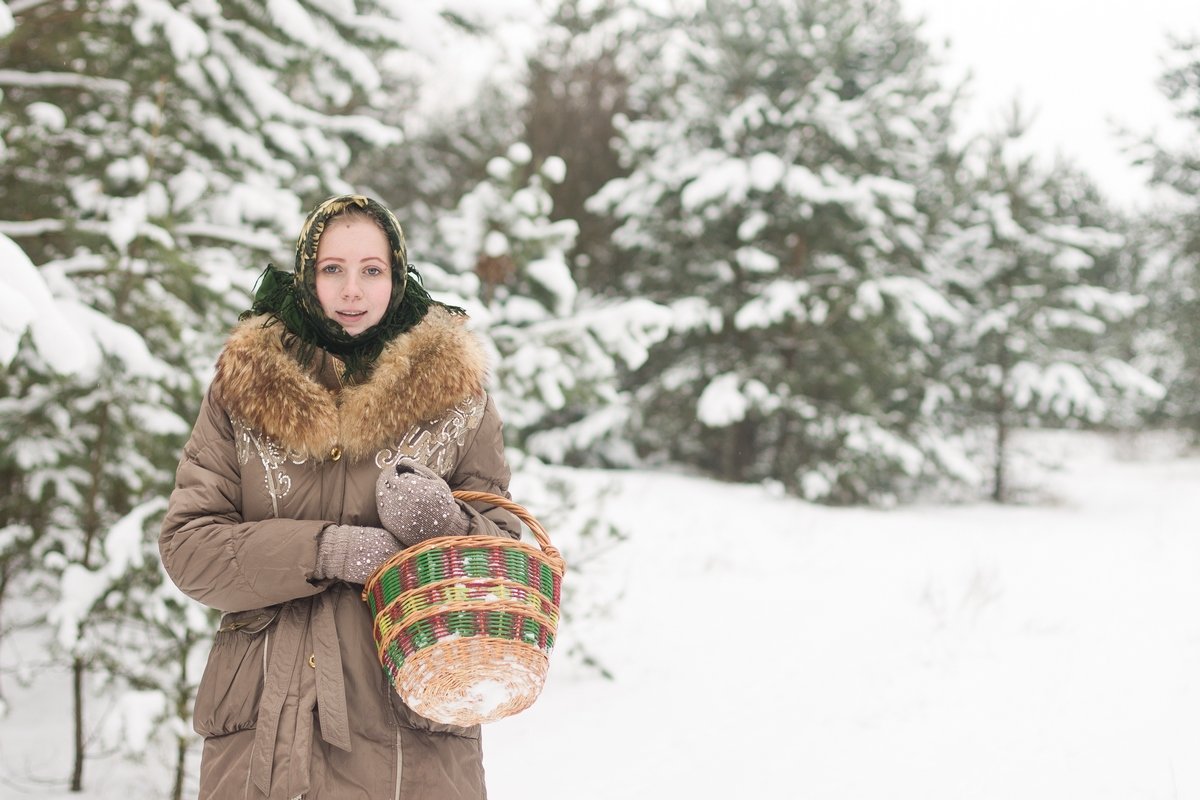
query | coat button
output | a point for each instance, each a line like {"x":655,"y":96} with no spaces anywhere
{"x":312,"y":660}
{"x":335,"y":454}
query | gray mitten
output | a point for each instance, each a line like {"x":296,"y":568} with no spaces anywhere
{"x":353,"y":552}
{"x":415,"y":504}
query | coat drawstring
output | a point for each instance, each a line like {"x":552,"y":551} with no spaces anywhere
{"x":331,"y":690}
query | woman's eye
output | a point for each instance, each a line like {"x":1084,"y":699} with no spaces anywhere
{"x":329,"y":269}
{"x":374,"y":271}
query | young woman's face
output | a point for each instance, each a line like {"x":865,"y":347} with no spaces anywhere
{"x":354,"y":273}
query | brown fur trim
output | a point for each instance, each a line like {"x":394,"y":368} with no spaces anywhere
{"x":419,"y":375}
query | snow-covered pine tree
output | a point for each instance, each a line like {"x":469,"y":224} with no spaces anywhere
{"x":1170,"y":348}
{"x":560,"y":354}
{"x":785,"y":177}
{"x":1035,"y":252}
{"x":81,"y":443}
{"x":155,"y":155}
{"x":458,"y":106}
{"x":33,"y":321}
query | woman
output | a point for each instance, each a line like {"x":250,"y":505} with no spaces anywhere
{"x":344,"y":370}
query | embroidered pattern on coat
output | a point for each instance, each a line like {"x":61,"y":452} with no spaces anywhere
{"x":274,"y":458}
{"x":429,"y":442}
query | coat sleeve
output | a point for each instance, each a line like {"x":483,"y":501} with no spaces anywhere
{"x":214,"y":555}
{"x":482,"y":467}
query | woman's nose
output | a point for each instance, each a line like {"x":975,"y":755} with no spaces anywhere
{"x":351,"y":288}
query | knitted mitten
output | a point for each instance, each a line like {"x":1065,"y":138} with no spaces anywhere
{"x":352,"y":553}
{"x":415,"y":504}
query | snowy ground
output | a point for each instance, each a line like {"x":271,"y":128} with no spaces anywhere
{"x":767,"y":648}
{"x":771,"y":649}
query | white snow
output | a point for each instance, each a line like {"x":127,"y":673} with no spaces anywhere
{"x":519,"y":153}
{"x":756,"y":260}
{"x":771,"y":649}
{"x":765,"y":647}
{"x":47,"y":115}
{"x":81,"y":587}
{"x":554,"y":169}
{"x":27,"y":305}
{"x":774,"y":302}
{"x":186,"y":39}
{"x":291,"y":18}
{"x":1060,"y":388}
{"x":130,"y":721}
{"x":554,"y":274}
{"x":753,"y":225}
{"x":722,"y":402}
{"x":495,"y":244}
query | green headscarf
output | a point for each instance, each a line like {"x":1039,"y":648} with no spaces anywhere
{"x":291,"y":297}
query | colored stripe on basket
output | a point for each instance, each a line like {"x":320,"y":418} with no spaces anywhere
{"x":487,"y":590}
{"x":474,"y":562}
{"x":465,"y":624}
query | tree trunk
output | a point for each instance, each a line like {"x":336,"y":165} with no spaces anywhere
{"x":999,"y":485}
{"x":91,"y":529}
{"x":181,"y":709}
{"x":180,"y":758}
{"x":77,"y":672}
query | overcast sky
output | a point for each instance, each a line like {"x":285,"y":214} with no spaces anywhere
{"x":1081,"y":65}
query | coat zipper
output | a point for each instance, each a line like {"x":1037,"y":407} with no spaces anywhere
{"x":273,"y":491}
{"x":399,"y":762}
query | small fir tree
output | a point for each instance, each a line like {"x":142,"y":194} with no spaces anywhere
{"x":1035,"y":252}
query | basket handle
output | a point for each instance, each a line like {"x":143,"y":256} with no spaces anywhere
{"x":539,"y":533}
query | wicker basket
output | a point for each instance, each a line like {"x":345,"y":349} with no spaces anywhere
{"x":464,"y":625}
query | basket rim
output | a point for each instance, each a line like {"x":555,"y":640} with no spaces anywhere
{"x":460,"y":542}
{"x":535,"y":527}
{"x":545,"y":552}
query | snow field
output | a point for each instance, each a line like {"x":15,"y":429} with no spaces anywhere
{"x":765,"y":647}
{"x":768,"y":648}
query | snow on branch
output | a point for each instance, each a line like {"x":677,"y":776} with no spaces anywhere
{"x":225,"y":233}
{"x":81,"y":588}
{"x":26,"y":304}
{"x":61,"y":80}
{"x":36,"y":227}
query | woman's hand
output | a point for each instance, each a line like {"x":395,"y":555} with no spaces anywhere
{"x":415,"y":504}
{"x":353,"y":553}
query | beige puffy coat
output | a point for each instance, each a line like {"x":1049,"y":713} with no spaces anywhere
{"x":293,"y":702}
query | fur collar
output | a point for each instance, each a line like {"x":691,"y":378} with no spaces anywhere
{"x":420,"y":374}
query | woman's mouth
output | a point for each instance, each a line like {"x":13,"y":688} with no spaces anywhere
{"x":351,"y":315}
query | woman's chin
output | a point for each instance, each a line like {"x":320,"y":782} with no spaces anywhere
{"x":353,"y":327}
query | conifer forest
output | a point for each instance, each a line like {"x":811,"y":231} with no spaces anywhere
{"x":743,"y":238}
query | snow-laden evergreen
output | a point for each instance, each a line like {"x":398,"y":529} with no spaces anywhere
{"x":560,"y":354}
{"x":156,"y":155}
{"x":1029,"y":253}
{"x":807,"y":285}
{"x":1170,"y":348}
{"x":784,"y":181}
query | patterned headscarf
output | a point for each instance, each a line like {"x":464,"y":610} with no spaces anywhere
{"x":291,"y":297}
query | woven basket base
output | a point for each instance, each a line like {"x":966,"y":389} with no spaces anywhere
{"x":471,"y":681}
